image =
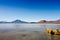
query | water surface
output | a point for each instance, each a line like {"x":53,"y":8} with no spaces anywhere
{"x":27,"y":32}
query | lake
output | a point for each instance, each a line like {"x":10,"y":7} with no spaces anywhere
{"x":27,"y":32}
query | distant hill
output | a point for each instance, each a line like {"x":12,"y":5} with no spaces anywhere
{"x":53,"y":22}
{"x":15,"y":21}
{"x":18,"y":21}
{"x":42,"y":21}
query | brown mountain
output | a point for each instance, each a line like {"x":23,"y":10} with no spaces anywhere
{"x":42,"y":21}
{"x":53,"y":22}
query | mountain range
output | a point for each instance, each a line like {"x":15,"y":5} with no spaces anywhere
{"x":53,"y":22}
{"x":48,"y":22}
{"x":15,"y":21}
{"x":42,"y":21}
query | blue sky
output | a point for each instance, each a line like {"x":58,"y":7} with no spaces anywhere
{"x":29,"y":10}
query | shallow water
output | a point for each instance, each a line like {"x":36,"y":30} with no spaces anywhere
{"x":27,"y":32}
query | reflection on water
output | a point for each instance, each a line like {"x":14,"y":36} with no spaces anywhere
{"x":27,"y":32}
